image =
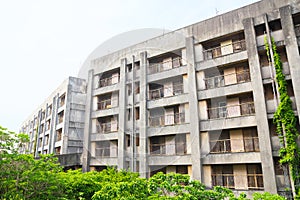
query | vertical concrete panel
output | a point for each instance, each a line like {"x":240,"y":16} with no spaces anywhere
{"x":198,"y":52}
{"x":203,"y":115}
{"x":226,"y":47}
{"x":193,"y":103}
{"x":114,"y":99}
{"x":170,"y":145}
{"x":95,"y":103}
{"x":207,"y":181}
{"x":200,"y":80}
{"x":168,"y":89}
{"x":260,"y":108}
{"x":185,"y":83}
{"x":292,"y":51}
{"x":205,"y":146}
{"x":236,"y":137}
{"x":122,"y":117}
{"x":188,"y":143}
{"x":186,"y":112}
{"x":93,"y":149}
{"x":240,"y":177}
{"x":143,"y":118}
{"x":230,"y":76}
{"x":183,"y":56}
{"x":233,"y":107}
{"x":94,"y":125}
{"x":190,"y":170}
{"x":87,"y":124}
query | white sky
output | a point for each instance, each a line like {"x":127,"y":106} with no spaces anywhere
{"x":42,"y":42}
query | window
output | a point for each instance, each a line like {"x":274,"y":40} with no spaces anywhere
{"x":255,"y":178}
{"x":222,"y":175}
{"x":58,"y":134}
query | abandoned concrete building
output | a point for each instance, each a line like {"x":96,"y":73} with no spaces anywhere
{"x":199,"y":101}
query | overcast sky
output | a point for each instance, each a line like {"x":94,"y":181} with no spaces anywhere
{"x":42,"y":42}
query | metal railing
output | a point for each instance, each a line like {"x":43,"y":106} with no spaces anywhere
{"x":219,"y":81}
{"x":250,"y":144}
{"x":106,"y":152}
{"x":107,"y":127}
{"x":164,"y":120}
{"x":168,"y":149}
{"x":255,"y":181}
{"x":231,"y":111}
{"x":217,"y":51}
{"x":163,"y":66}
{"x":108,"y":81}
{"x":105,"y":104}
{"x":158,"y":93}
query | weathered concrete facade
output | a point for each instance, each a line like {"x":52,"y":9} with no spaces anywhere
{"x":57,"y":125}
{"x":199,"y":100}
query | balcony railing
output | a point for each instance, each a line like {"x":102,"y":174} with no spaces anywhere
{"x":108,"y":81}
{"x":250,"y":144}
{"x":107,"y":127}
{"x":255,"y":181}
{"x":106,"y":152}
{"x":168,"y":149}
{"x":105,"y":104}
{"x":231,"y":111}
{"x":165,"y":120}
{"x":217,"y":51}
{"x":161,"y":92}
{"x":163,"y":66}
{"x":219,"y":81}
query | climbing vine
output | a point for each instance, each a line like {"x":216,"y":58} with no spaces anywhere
{"x":285,"y":121}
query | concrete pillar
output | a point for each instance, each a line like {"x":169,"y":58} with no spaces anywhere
{"x":52,"y":131}
{"x":260,"y":108}
{"x":193,"y":104}
{"x":291,"y":50}
{"x":67,"y":115}
{"x":122,"y":116}
{"x":144,"y":117}
{"x":87,"y":124}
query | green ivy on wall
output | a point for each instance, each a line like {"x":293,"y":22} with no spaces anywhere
{"x":285,"y":121}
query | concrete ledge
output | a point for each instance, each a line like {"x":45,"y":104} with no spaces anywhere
{"x":167,"y":101}
{"x":167,"y":74}
{"x":168,"y":130}
{"x":104,"y":161}
{"x":224,"y":91}
{"x":68,"y":160}
{"x":106,"y":112}
{"x":170,"y":160}
{"x":231,"y":58}
{"x":231,"y":158}
{"x":228,"y":123}
{"x":103,"y":90}
{"x":104,"y":136}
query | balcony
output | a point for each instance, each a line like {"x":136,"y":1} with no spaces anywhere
{"x":107,"y":127}
{"x":161,"y":92}
{"x":163,"y":66}
{"x":166,"y":120}
{"x":106,"y":152}
{"x":220,"y":81}
{"x":255,"y":181}
{"x":242,"y":109}
{"x":168,"y":149}
{"x":219,"y":51}
{"x":249,"y":144}
{"x":108,"y":81}
{"x":105,"y":104}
